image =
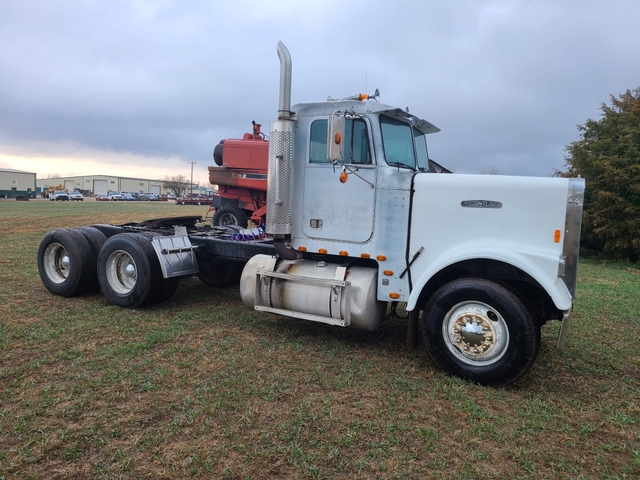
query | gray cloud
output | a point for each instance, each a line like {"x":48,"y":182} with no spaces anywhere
{"x":507,"y":81}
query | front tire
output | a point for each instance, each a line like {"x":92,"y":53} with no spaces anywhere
{"x":481,"y":331}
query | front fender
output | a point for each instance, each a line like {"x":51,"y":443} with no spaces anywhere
{"x":543,"y":268}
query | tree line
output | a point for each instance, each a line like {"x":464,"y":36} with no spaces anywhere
{"x":607,"y":156}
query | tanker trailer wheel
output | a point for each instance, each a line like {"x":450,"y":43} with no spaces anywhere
{"x":479,"y":330}
{"x":220,"y":273}
{"x":65,"y":262}
{"x":129,"y":271}
{"x":229,"y":215}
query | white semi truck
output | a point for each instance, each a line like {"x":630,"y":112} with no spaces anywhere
{"x":358,"y":216}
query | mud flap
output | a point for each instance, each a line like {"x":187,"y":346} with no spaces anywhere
{"x":176,"y":254}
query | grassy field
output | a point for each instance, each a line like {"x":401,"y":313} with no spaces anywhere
{"x":202,"y":387}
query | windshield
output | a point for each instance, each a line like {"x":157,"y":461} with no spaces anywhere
{"x":397,"y":140}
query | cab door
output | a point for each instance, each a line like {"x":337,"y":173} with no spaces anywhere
{"x":334,"y":210}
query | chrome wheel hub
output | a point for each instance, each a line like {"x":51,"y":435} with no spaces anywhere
{"x":121,"y":272}
{"x":475,"y":333}
{"x":56,"y":263}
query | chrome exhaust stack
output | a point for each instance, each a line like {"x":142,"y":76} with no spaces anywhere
{"x":284,"y":100}
{"x":281,"y":147}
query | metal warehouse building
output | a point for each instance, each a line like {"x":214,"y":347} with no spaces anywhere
{"x":102,"y":184}
{"x":17,"y":182}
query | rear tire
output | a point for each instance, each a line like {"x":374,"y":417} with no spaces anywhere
{"x":229,"y":215}
{"x":481,"y":331}
{"x":129,"y":271}
{"x":65,"y":262}
{"x":96,"y":239}
{"x":168,"y":286}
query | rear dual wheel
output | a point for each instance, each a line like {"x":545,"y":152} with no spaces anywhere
{"x":129,"y":272}
{"x":96,"y":239}
{"x":65,"y":262}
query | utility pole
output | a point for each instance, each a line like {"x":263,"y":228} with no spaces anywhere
{"x":192,"y":164}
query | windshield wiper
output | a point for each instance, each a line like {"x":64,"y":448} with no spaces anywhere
{"x":403,"y":165}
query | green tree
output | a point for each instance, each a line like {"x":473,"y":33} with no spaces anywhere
{"x":608,"y":157}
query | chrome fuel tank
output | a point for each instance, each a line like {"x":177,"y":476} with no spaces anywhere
{"x":318,"y":291}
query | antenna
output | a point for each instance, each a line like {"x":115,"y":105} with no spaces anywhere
{"x":365,"y":76}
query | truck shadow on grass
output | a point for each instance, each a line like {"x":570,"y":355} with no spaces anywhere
{"x":390,"y":336}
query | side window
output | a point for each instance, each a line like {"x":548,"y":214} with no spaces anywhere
{"x":318,"y":141}
{"x":356,"y":142}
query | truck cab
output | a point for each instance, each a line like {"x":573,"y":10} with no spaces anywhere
{"x":354,"y":196}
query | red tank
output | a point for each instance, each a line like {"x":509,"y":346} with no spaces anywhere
{"x":241,"y":175}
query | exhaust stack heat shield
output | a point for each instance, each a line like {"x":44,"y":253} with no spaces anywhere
{"x":279,"y":179}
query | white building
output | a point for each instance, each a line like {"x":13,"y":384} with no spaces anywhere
{"x":17,"y":182}
{"x":102,"y":184}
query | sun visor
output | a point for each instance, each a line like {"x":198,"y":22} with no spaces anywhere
{"x":420,"y":124}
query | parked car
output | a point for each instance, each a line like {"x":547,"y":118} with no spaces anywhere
{"x":149,"y":197}
{"x":193,"y":200}
{"x":58,"y":195}
{"x":116,"y":196}
{"x":102,"y":198}
{"x":76,"y":196}
{"x":128,"y":197}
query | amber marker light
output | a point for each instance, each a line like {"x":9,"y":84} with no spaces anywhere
{"x":342,"y":253}
{"x":302,"y":249}
{"x":365,"y":255}
{"x":338,"y":138}
{"x":394,"y":295}
{"x":323,"y":251}
{"x":344,"y":177}
{"x":381,"y":258}
{"x":556,"y":236}
{"x":388,"y":273}
{"x":363,"y":97}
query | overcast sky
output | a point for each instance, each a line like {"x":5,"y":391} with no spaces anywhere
{"x":142,"y":88}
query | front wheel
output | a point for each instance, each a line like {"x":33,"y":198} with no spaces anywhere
{"x":479,"y":330}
